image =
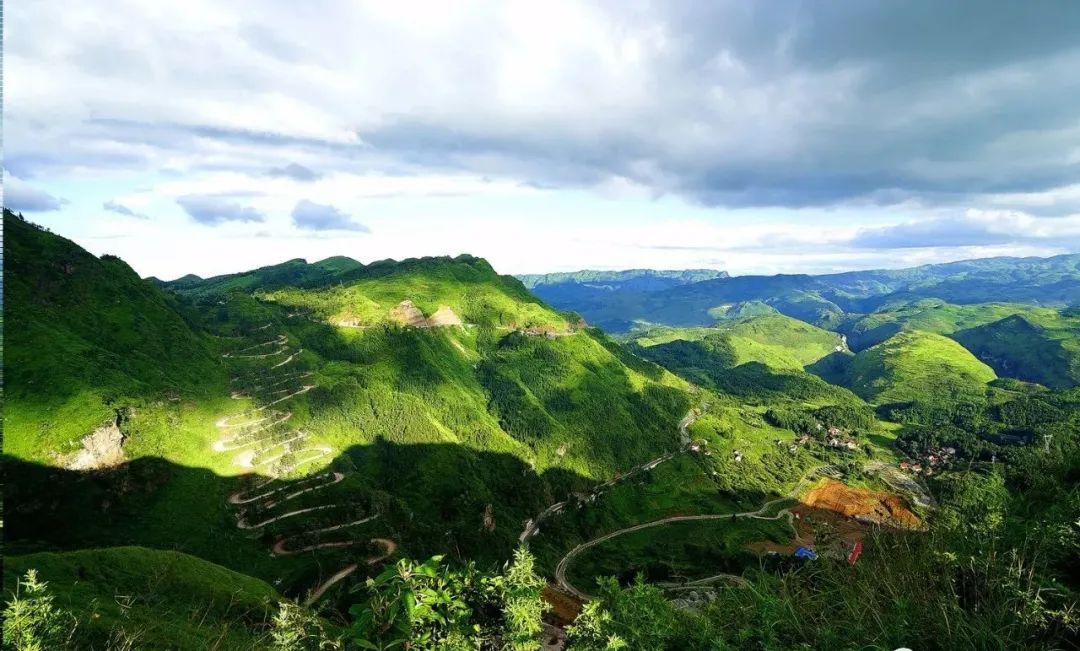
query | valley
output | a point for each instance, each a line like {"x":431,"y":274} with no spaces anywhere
{"x":720,"y":450}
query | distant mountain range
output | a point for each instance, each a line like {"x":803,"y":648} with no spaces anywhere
{"x":687,"y":298}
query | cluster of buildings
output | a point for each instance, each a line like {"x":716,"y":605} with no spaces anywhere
{"x":835,"y":438}
{"x":931,"y":459}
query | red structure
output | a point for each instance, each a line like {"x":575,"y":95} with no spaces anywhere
{"x":854,"y":554}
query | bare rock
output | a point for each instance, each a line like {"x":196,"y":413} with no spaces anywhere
{"x":444,"y":317}
{"x":406,"y":313}
{"x":102,"y":448}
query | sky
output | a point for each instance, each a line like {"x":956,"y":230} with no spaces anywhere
{"x":785,"y":136}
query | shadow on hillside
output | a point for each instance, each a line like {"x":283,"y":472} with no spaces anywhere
{"x":832,"y":368}
{"x":431,"y":499}
{"x":752,"y":382}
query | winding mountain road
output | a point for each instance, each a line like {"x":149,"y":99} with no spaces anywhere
{"x":256,"y":433}
{"x":758,"y":514}
{"x":532,"y":527}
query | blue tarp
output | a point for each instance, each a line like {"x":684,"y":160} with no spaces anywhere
{"x":805,"y":552}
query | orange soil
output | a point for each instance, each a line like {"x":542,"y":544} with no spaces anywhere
{"x":881,"y":508}
{"x":835,"y":506}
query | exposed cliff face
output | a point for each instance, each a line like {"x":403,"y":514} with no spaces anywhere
{"x":406,"y":313}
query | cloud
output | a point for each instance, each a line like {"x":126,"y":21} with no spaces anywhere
{"x":311,"y":216}
{"x":973,"y":228}
{"x":121,"y":209}
{"x":785,"y":103}
{"x":213,"y":210}
{"x":20,"y":197}
{"x":295,"y":171}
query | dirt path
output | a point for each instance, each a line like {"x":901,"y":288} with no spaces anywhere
{"x":242,"y":523}
{"x":321,"y":589}
{"x":287,"y":360}
{"x":239,"y":496}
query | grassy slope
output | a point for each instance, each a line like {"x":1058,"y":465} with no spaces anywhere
{"x":85,"y":337}
{"x":918,"y":366}
{"x":486,"y":387}
{"x":930,"y":315}
{"x":775,"y":340}
{"x":1037,"y":346}
{"x":161,"y":599}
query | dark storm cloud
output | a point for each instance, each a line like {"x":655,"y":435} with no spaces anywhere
{"x":121,"y":209}
{"x":311,"y":216}
{"x":214,"y":210}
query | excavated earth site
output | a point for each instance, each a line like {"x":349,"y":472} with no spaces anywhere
{"x":833,"y":517}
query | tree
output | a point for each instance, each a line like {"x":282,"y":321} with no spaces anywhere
{"x":523,"y":607}
{"x":638,"y":617}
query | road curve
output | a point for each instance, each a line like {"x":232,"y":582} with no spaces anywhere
{"x":758,"y":514}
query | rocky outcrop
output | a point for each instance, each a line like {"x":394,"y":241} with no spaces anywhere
{"x":102,"y":448}
{"x":406,"y":313}
{"x":444,"y":317}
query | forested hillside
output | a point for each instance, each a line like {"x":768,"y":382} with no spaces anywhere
{"x":264,"y":460}
{"x":430,"y":404}
{"x":87,"y":338}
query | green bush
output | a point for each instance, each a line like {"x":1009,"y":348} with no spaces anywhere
{"x":32,"y":622}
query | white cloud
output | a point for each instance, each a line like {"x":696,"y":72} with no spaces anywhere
{"x":381,"y":109}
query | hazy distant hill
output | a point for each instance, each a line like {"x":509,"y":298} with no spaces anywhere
{"x":629,"y":279}
{"x":823,"y":300}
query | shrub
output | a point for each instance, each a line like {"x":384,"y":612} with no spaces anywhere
{"x":32,"y":622}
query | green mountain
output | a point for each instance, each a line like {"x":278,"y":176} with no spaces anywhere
{"x":431,"y":403}
{"x":1042,"y":347}
{"x":292,"y":273}
{"x":918,"y":366}
{"x":87,"y":338}
{"x":629,"y":279}
{"x":928,"y":315}
{"x":775,"y":340}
